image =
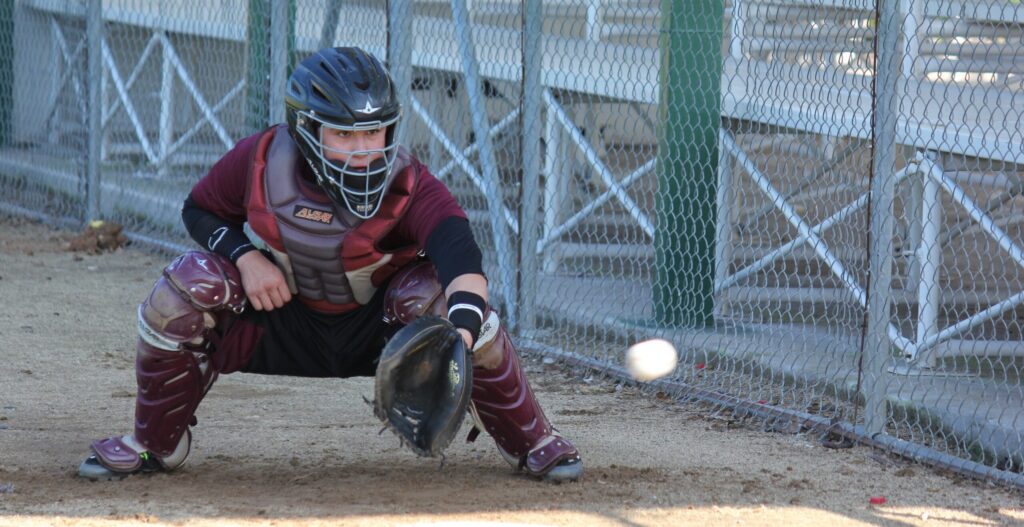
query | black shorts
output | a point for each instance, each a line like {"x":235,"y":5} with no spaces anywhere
{"x":297,"y":340}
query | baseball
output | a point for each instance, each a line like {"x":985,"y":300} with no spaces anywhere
{"x":651,"y":359}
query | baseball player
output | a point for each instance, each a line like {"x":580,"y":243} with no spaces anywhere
{"x":310,"y":227}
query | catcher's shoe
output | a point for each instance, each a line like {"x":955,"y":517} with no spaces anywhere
{"x":116,"y":458}
{"x":568,"y":468}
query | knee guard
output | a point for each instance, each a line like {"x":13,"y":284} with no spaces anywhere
{"x":172,"y":369}
{"x":414,"y":291}
{"x":503,"y":404}
{"x":180,"y":310}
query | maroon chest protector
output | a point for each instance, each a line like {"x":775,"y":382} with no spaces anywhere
{"x":331,"y":259}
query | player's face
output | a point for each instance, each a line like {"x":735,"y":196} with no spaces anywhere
{"x":341,"y":146}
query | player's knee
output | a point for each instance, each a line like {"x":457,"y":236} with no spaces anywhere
{"x":208,"y":280}
{"x":179,"y":309}
{"x":414,"y":291}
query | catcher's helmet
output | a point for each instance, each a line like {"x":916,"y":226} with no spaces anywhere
{"x":345,"y":89}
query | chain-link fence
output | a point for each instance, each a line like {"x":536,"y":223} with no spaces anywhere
{"x":817,"y":201}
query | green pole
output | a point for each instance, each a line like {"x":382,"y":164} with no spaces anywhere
{"x":264,"y":97}
{"x":6,"y":69}
{"x":690,"y":117}
{"x":257,"y":97}
{"x":293,"y":59}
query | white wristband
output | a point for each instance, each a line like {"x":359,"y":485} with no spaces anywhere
{"x":470,"y":307}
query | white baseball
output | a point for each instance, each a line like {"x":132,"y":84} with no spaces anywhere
{"x":651,"y":359}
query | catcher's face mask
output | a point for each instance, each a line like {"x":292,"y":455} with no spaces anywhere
{"x":354,"y":161}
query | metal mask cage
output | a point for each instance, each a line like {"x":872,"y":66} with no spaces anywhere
{"x":361,"y":189}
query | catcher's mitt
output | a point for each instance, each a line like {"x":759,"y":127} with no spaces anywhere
{"x":423,"y":384}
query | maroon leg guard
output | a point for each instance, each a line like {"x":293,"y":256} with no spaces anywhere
{"x":171,"y":385}
{"x":196,"y":293}
{"x":506,"y":407}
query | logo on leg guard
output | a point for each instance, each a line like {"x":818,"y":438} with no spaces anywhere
{"x":488,"y":331}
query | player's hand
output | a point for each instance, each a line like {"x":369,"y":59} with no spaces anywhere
{"x":263,"y":282}
{"x":467,"y":338}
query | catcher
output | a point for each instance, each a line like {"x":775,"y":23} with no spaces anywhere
{"x":315,"y":233}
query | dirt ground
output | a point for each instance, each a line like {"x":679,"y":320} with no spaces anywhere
{"x":290,"y":451}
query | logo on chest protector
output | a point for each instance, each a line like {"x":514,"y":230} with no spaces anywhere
{"x":306,"y":213}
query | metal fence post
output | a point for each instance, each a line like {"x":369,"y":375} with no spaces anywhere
{"x":332,"y":15}
{"x":533,"y":58}
{"x":556,"y":188}
{"x":883,"y":188}
{"x":723,"y":226}
{"x":166,"y":130}
{"x":94,"y":36}
{"x":929,"y":256}
{"x":282,"y":23}
{"x":481,"y":129}
{"x":690,"y":115}
{"x":912,"y":12}
{"x":400,"y":41}
{"x":258,"y":65}
{"x":6,"y":69}
{"x":736,"y":30}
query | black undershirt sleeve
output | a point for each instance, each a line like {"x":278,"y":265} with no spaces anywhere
{"x":213,"y":232}
{"x":453,"y":250}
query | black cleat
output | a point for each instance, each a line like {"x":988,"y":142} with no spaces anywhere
{"x":93,"y":470}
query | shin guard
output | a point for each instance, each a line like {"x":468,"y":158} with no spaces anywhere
{"x":172,"y":366}
{"x":171,"y":385}
{"x":505,"y":406}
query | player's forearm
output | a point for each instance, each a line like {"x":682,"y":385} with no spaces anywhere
{"x":213,"y":232}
